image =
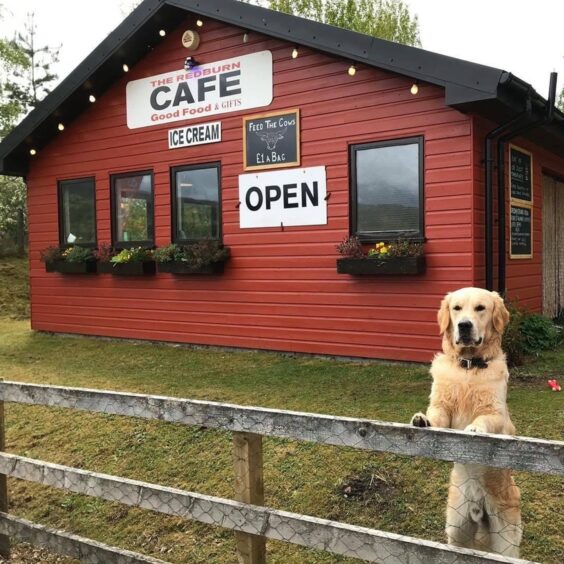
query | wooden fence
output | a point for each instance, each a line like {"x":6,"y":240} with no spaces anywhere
{"x":246,"y":515}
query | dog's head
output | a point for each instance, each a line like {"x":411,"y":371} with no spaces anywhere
{"x":472,"y":318}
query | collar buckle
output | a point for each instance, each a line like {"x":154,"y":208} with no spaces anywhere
{"x":466,"y":363}
{"x":474,"y":362}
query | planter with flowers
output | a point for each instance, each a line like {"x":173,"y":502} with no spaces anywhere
{"x":70,"y":260}
{"x":398,"y":257}
{"x":202,"y":257}
{"x":136,"y":261}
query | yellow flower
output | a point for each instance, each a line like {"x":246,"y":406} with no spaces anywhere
{"x":384,"y":250}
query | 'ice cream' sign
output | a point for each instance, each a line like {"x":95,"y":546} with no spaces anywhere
{"x":225,"y":86}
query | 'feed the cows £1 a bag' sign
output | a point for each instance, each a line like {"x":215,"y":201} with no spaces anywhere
{"x":225,"y":86}
{"x":288,"y":197}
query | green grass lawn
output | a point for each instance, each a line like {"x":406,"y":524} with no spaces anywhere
{"x":393,"y":493}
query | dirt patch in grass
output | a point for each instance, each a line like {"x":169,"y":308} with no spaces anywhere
{"x":369,"y":487}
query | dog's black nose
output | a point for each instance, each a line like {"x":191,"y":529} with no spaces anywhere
{"x":464,"y":326}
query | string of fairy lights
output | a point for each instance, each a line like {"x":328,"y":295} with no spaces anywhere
{"x":192,"y":63}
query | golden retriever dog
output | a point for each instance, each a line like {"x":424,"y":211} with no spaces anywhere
{"x":469,"y":393}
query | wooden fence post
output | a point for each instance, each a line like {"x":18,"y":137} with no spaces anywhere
{"x":4,"y":539}
{"x":249,"y":488}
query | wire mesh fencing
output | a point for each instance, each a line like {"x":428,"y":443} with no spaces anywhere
{"x":482,"y":511}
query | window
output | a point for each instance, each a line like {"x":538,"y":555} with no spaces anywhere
{"x":77,"y":212}
{"x":132,"y":219}
{"x":195,"y":203}
{"x":387,"y":190}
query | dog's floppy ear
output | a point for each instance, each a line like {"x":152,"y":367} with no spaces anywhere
{"x":500,"y":317}
{"x":443,"y":316}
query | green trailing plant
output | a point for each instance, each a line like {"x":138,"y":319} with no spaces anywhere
{"x":170,"y":253}
{"x":197,"y":255}
{"x":135,"y":254}
{"x":51,"y":254}
{"x":78,"y":254}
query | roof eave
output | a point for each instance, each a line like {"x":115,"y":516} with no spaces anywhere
{"x":467,"y":85}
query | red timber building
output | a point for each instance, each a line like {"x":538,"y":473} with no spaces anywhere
{"x":361,"y":136}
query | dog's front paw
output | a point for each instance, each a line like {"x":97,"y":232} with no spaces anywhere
{"x":420,"y":420}
{"x":474,"y":429}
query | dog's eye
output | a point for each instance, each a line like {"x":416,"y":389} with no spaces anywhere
{"x":480,"y":308}
{"x":457,"y":308}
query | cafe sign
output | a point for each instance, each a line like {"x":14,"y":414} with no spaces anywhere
{"x":208,"y":89}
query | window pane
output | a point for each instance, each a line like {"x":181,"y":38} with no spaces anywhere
{"x":388,"y":189}
{"x":134,"y":208}
{"x":197,"y":204}
{"x":78,"y":212}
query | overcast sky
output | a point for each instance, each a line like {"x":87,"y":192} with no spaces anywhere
{"x":519,"y":36}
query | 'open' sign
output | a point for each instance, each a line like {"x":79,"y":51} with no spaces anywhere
{"x":288,"y":197}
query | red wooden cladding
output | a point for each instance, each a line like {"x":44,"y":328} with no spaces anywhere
{"x":523,"y":276}
{"x":281,"y":290}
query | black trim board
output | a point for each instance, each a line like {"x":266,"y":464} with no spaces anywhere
{"x":468,"y":86}
{"x":60,"y":209}
{"x":386,"y":236}
{"x":149,"y":243}
{"x":174,"y":201}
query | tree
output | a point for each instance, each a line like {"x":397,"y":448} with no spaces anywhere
{"x":560,"y":102}
{"x":25,"y":80}
{"x":32,"y":82}
{"x":386,"y":19}
{"x":12,"y":59}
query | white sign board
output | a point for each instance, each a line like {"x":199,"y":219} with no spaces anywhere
{"x":194,"y":135}
{"x":288,"y":197}
{"x":225,"y":86}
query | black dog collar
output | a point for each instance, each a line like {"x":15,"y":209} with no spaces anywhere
{"x":474,"y":362}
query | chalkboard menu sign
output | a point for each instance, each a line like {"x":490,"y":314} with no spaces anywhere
{"x":521,"y":232}
{"x":521,"y":179}
{"x":272,"y":140}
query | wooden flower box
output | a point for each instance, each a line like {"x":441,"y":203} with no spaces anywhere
{"x":181,"y":267}
{"x":137,"y":268}
{"x":64,"y":267}
{"x":390,"y":266}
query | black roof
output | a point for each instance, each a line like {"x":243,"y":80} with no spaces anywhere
{"x":491,"y":92}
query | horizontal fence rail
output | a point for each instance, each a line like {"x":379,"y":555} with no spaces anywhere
{"x":519,"y":453}
{"x":66,"y":544}
{"x":339,"y":538}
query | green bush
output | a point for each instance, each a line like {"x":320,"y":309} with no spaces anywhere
{"x":527,"y":334}
{"x":539,"y":333}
